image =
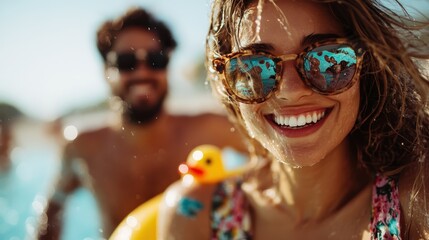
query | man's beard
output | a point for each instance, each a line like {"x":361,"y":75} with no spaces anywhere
{"x":143,"y":115}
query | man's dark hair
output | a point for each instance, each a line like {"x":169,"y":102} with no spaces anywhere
{"x":135,"y":17}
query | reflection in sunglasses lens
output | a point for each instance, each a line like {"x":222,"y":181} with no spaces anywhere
{"x":251,"y":77}
{"x":330,"y":68}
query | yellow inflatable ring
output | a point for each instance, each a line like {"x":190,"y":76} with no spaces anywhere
{"x":206,"y":164}
{"x":140,"y":223}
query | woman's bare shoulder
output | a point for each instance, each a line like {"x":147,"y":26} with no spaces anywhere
{"x":185,"y":211}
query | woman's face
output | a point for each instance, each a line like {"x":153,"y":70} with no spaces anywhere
{"x":286,"y":26}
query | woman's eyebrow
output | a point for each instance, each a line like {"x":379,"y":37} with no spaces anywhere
{"x":258,"y":47}
{"x":312,"y":38}
{"x":307,"y":40}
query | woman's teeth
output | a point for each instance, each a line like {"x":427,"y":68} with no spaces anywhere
{"x":299,"y":120}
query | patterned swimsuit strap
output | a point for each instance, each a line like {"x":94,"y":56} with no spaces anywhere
{"x":385,"y":218}
{"x":230,"y":216}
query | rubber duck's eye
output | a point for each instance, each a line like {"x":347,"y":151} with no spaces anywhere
{"x":208,"y":161}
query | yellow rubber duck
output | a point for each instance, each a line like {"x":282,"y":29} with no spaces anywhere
{"x":206,"y":164}
{"x":210,"y":164}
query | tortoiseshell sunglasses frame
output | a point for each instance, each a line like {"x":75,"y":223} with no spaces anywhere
{"x":220,"y":63}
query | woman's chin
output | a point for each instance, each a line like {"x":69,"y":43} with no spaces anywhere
{"x":297,"y":160}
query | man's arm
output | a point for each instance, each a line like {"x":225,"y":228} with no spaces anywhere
{"x":51,"y":221}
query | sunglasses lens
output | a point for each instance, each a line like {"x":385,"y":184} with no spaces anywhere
{"x":126,"y":61}
{"x":157,"y":60}
{"x":330,"y":68}
{"x":153,"y":60}
{"x":251,"y":77}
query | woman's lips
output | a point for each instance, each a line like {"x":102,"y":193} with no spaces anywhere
{"x":299,"y":125}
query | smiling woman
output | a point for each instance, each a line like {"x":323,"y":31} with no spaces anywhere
{"x":335,"y":111}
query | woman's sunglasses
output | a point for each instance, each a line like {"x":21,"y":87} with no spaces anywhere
{"x":128,"y":61}
{"x":328,"y":67}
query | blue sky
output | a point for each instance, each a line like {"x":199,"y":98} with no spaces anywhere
{"x":49,"y":63}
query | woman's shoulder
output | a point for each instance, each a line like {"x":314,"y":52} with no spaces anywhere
{"x":185,"y":211}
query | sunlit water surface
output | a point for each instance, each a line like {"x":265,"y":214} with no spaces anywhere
{"x":23,"y":191}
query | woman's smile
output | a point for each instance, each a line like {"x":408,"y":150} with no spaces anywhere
{"x":299,"y":124}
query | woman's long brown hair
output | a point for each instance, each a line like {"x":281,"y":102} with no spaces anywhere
{"x":392,"y":129}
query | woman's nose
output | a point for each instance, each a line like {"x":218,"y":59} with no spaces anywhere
{"x":291,"y":86}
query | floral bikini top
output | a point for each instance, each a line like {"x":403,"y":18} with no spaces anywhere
{"x":231,"y":219}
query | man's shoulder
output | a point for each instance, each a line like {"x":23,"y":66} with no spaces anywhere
{"x":94,"y":134}
{"x":200,"y":116}
{"x":88,"y":144}
{"x":202,"y":119}
{"x":211,"y":128}
{"x":89,"y":138}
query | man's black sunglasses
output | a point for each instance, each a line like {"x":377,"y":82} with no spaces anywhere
{"x":127,"y":61}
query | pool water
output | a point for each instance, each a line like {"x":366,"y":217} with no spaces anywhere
{"x":23,"y":191}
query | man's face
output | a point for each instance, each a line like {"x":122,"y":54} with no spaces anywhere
{"x":141,"y":86}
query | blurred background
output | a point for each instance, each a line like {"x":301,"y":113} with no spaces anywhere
{"x":50,"y":65}
{"x":52,"y":86}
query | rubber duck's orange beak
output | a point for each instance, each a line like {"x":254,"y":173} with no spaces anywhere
{"x":196,"y":171}
{"x":186,"y":169}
